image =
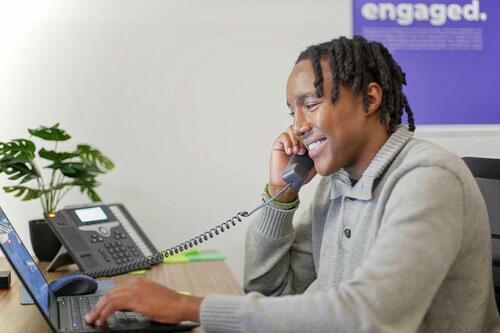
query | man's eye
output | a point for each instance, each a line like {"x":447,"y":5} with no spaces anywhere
{"x":310,"y":106}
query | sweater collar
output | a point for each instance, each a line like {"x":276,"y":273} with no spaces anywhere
{"x":363,"y":190}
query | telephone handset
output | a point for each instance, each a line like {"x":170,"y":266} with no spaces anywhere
{"x":91,"y":257}
{"x":297,"y":170}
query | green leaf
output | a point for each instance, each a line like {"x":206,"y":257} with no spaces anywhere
{"x":60,"y":186}
{"x":53,"y":133}
{"x":27,"y":178}
{"x":20,"y":149}
{"x":55,"y":156}
{"x":92,"y":194}
{"x":76,"y":169}
{"x":88,"y":186}
{"x":16,"y":159}
{"x":18,"y":170}
{"x":93,"y":156}
{"x":23,"y":192}
{"x":67,"y":170}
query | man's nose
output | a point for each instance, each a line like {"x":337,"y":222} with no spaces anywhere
{"x":300,"y":125}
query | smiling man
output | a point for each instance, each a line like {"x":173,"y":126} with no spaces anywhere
{"x":396,"y":239}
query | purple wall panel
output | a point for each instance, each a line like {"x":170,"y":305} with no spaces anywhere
{"x":450,"y":51}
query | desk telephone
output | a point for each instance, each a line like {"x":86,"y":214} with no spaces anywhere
{"x":104,"y":240}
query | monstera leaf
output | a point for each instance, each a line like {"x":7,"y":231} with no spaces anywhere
{"x":16,"y":160}
{"x":23,"y":192}
{"x":55,"y":156}
{"x":79,"y":170}
{"x":19,"y":149}
{"x":87,"y":186}
{"x":94,"y":157}
{"x":53,"y":133}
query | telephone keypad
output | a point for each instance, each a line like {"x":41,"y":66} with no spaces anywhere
{"x":121,"y":253}
{"x":103,"y":253}
{"x":133,"y":250}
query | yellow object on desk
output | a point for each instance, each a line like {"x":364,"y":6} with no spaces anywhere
{"x":138,"y":272}
{"x":180,"y":258}
{"x":176,"y":259}
{"x":193,"y":255}
{"x":205,"y":256}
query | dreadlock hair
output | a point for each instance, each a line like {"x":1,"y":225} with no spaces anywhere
{"x":355,"y":63}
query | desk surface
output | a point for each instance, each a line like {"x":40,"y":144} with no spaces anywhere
{"x":198,"y":278}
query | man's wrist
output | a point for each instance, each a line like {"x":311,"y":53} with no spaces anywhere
{"x":287,"y":200}
{"x":192,"y":308}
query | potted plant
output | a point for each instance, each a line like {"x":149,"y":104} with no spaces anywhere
{"x":63,"y":171}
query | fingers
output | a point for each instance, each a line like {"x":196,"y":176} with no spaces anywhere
{"x":289,"y":143}
{"x":297,"y":145}
{"x":283,"y":143}
{"x":113,"y":301}
{"x":108,"y":309}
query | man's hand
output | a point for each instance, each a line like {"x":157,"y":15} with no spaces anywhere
{"x":284,"y":147}
{"x":153,"y":300}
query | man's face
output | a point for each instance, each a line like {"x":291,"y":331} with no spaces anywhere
{"x":334,"y":134}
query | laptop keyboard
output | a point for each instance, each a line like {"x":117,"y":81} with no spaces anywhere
{"x":81,"y":305}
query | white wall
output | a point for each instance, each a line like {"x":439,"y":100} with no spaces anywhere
{"x":185,"y":96}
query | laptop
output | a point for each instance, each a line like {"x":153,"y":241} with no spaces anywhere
{"x":66,"y":314}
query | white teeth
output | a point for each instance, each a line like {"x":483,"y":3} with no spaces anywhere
{"x":315,"y":144}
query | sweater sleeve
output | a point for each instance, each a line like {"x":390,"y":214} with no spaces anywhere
{"x":278,"y":256}
{"x":391,"y":291}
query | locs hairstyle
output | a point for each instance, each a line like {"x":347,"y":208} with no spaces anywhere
{"x":355,"y":63}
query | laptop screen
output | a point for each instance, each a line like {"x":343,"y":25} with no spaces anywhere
{"x":23,"y":263}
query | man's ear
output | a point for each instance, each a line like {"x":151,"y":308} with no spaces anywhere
{"x":374,"y":92}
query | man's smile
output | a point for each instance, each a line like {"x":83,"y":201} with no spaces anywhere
{"x":313,"y":146}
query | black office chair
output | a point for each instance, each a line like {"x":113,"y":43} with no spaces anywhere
{"x":487,"y":174}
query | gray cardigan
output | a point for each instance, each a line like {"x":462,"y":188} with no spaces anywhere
{"x":407,"y":249}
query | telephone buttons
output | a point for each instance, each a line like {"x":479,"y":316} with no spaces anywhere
{"x":94,"y":238}
{"x":104,"y":255}
{"x":119,"y":235}
{"x":104,"y":231}
{"x":133,"y":250}
{"x":102,"y":228}
{"x":121,"y":253}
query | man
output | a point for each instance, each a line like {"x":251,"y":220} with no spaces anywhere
{"x":397,"y":237}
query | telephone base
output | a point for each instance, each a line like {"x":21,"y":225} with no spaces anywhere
{"x":61,"y":259}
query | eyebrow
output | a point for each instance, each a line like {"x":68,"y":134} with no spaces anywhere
{"x":302,"y":97}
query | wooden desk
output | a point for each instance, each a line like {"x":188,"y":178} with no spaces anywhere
{"x":199,"y":278}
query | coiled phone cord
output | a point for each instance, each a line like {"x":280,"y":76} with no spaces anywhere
{"x":203,"y":237}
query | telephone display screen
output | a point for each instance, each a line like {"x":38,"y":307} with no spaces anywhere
{"x":91,"y":214}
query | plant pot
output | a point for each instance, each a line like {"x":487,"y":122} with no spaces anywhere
{"x":45,"y":244}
